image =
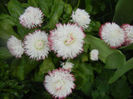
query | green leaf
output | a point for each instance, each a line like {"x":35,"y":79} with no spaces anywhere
{"x":45,"y":67}
{"x":88,"y":5}
{"x":130,"y":76}
{"x":120,"y":89}
{"x":7,"y":18}
{"x":93,"y":27}
{"x":4,"y":53}
{"x":84,"y":75}
{"x":34,"y":2}
{"x":6,"y":30}
{"x":22,"y":31}
{"x":101,"y":86}
{"x":121,"y":71}
{"x":129,"y":47}
{"x":68,"y":9}
{"x":123,"y":12}
{"x":46,"y":6}
{"x":25,"y":5}
{"x":115,"y":60}
{"x":22,"y":67}
{"x":56,"y":12}
{"x":15,"y":9}
{"x":84,"y":57}
{"x":96,"y":43}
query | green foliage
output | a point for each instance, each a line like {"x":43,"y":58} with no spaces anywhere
{"x":111,"y":77}
{"x":22,"y":67}
{"x":121,"y":89}
{"x":15,"y":9}
{"x":85,"y":77}
{"x":123,"y":12}
{"x":101,"y":86}
{"x":33,"y":3}
{"x":6,"y":29}
{"x":10,"y":88}
{"x":115,"y":60}
{"x":129,"y":47}
{"x":46,"y":5}
{"x":130,"y":76}
{"x":120,"y":71}
{"x":44,"y":68}
{"x":56,"y":12}
{"x":4,"y":53}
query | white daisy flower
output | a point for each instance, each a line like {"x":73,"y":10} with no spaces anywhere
{"x":94,"y":55}
{"x":81,"y":17}
{"x":112,"y":34}
{"x":15,"y":46}
{"x":59,"y":83}
{"x":36,"y":45}
{"x":31,"y":17}
{"x":67,"y":40}
{"x":67,"y":66}
{"x":128,"y":29}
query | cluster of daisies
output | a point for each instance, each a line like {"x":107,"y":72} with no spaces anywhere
{"x":116,"y":36}
{"x":66,"y":41}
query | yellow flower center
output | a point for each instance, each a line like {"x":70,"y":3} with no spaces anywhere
{"x":39,"y":44}
{"x":59,"y":85}
{"x":69,"y":40}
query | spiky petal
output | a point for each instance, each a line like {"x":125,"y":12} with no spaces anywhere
{"x":31,"y":17}
{"x":112,"y":34}
{"x":36,"y":45}
{"x":67,"y":40}
{"x":59,"y":83}
{"x":15,"y":46}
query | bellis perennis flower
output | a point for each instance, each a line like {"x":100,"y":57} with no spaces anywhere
{"x":59,"y":83}
{"x":67,"y":40}
{"x":81,"y":17}
{"x":67,"y":66}
{"x":15,"y":46}
{"x":94,"y":55}
{"x":36,"y":45}
{"x":31,"y":17}
{"x":128,"y":29}
{"x":112,"y":34}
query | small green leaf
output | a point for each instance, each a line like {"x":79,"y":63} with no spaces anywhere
{"x":34,"y":2}
{"x":123,"y":12}
{"x":25,"y":5}
{"x":22,"y":67}
{"x":101,"y":86}
{"x":121,"y":71}
{"x":22,"y":31}
{"x":120,"y":89}
{"x":68,"y":9}
{"x":45,"y":67}
{"x":115,"y":60}
{"x":93,"y":27}
{"x":56,"y":12}
{"x":6,"y":29}
{"x":84,"y":57}
{"x":130,"y":76}
{"x":7,"y":18}
{"x":15,"y":9}
{"x":129,"y":47}
{"x":88,"y":5}
{"x":84,"y":76}
{"x":46,"y":6}
{"x":4,"y":53}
